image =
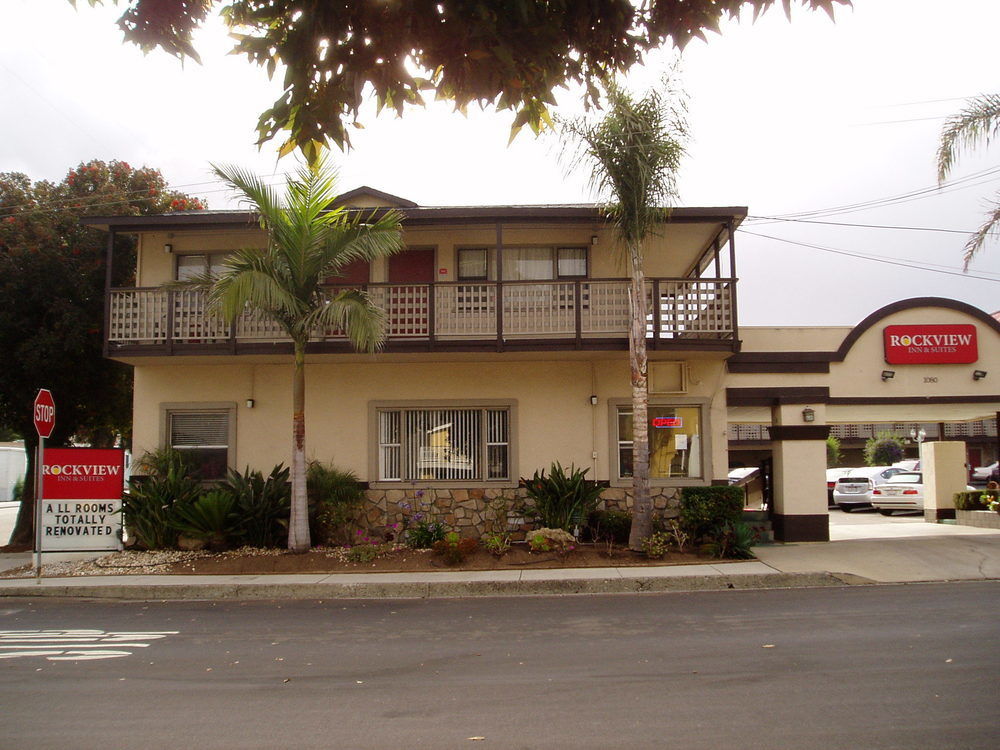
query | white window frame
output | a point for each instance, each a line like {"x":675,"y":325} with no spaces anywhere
{"x":704,"y":433}
{"x":376,"y":408}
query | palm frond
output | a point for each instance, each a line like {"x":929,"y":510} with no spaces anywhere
{"x":353,"y":312}
{"x":990,"y":228}
{"x":977,"y":124}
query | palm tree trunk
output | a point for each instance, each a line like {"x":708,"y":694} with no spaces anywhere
{"x":641,"y":505}
{"x":298,"y":522}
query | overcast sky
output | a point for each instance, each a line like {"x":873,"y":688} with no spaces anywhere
{"x":787,"y":118}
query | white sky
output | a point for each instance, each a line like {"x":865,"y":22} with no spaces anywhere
{"x":786,"y":117}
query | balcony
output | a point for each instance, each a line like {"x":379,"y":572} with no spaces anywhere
{"x":478,"y":316}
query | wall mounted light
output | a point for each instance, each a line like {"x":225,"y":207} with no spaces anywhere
{"x":593,"y":400}
{"x":808,"y":414}
{"x":168,"y":248}
{"x":978,"y":374}
{"x":888,"y":374}
{"x":250,"y":403}
{"x":593,"y":239}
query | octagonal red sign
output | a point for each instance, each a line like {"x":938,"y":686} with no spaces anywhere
{"x":44,"y":413}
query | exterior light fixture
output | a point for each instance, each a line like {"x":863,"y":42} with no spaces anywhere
{"x":808,"y":414}
{"x":168,"y":248}
{"x":888,"y":374}
{"x":593,"y":239}
{"x":978,"y":374}
{"x":593,"y":400}
{"x":250,"y":403}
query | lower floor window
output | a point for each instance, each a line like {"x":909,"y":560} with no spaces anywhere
{"x":203,"y":439}
{"x":674,"y":441}
{"x":469,"y":444}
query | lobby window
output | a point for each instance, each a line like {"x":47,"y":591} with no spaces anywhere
{"x":523,"y":263}
{"x":204,"y":440}
{"x":675,"y":444}
{"x":461,"y":444}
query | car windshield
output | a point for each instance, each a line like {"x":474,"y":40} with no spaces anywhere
{"x":906,"y":478}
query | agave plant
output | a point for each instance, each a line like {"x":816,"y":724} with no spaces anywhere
{"x":149,"y":506}
{"x":562,"y":500}
{"x":261,"y":505}
{"x":211,"y":518}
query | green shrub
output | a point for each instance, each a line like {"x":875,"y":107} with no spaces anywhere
{"x":974,"y":499}
{"x":609,"y":526}
{"x":656,"y":545}
{"x":884,"y":449}
{"x":149,"y":506}
{"x":17,"y":491}
{"x":334,"y":498}
{"x":704,"y":510}
{"x":211,"y":518}
{"x":833,"y":453}
{"x":363,"y":553}
{"x":453,"y":548}
{"x":562,"y":500}
{"x":261,"y":505}
{"x":423,"y":532}
{"x":733,"y":541}
{"x":497,"y":544}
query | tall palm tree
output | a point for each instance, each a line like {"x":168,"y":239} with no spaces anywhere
{"x":977,"y":124}
{"x":633,"y":152}
{"x":308,"y":241}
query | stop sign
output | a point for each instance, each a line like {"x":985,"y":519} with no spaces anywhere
{"x":44,"y":413}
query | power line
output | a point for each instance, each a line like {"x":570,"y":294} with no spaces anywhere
{"x":775,"y":219}
{"x":915,"y":265}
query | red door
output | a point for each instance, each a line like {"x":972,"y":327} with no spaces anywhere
{"x":410,"y":274}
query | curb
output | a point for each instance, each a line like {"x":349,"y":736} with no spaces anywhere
{"x":430,"y":590}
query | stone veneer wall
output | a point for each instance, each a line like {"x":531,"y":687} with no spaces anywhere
{"x":475,"y":512}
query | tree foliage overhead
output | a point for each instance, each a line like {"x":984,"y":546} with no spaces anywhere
{"x":52,"y":274}
{"x":509,"y":53}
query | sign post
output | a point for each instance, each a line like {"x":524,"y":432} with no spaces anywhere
{"x":44,"y":417}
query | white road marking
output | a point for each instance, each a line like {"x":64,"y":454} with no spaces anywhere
{"x":75,"y":644}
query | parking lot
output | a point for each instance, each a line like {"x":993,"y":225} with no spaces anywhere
{"x":868,"y":524}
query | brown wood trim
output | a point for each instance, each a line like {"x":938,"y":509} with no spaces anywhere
{"x":768,"y":367}
{"x":799,"y":431}
{"x":804,"y":528}
{"x":773,"y":396}
{"x":874,"y":400}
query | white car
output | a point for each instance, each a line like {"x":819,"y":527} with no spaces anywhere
{"x":903,"y":491}
{"x":854,"y":490}
{"x":832,"y":475}
{"x":989,"y":473}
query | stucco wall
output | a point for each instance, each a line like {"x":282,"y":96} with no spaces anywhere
{"x":555,"y":420}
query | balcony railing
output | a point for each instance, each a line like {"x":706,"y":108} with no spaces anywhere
{"x":455,"y":313}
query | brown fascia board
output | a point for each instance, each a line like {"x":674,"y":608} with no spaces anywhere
{"x":420,"y":216}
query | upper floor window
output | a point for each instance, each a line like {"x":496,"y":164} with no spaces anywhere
{"x":523,"y":263}
{"x":193,"y":266}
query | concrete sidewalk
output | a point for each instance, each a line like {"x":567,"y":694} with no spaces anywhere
{"x":926,"y":552}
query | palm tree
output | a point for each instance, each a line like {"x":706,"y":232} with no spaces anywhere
{"x":633,"y":152}
{"x":308,"y":241}
{"x":977,"y":124}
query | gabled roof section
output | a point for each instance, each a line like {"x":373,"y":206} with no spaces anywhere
{"x":369,"y":197}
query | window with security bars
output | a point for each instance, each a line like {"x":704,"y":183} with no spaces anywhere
{"x":444,"y":444}
{"x":203,"y":439}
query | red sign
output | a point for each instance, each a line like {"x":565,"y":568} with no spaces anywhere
{"x":44,"y":413}
{"x":663,"y":422}
{"x":83,"y":473}
{"x":931,"y":345}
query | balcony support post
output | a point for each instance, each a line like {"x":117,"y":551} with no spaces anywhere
{"x":171,"y":304}
{"x":732,"y":287}
{"x":499,"y":297}
{"x":108,"y":266}
{"x":431,"y":315}
{"x":578,"y":311}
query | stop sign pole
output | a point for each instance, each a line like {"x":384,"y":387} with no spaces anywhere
{"x":44,"y":416}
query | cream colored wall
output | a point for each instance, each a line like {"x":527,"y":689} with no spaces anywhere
{"x":555,"y":419}
{"x":155,"y":266}
{"x":667,"y":255}
{"x":860,"y":373}
{"x":789,"y":339}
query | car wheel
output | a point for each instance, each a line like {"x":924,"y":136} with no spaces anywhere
{"x":885,"y":511}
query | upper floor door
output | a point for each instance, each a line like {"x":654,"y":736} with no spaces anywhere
{"x":413,"y":266}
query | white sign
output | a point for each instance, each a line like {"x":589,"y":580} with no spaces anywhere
{"x":80,"y":525}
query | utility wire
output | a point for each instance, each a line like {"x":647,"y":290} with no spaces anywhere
{"x":776,"y":219}
{"x":912,"y":265}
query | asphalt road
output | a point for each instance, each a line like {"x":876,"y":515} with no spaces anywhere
{"x":856,"y":667}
